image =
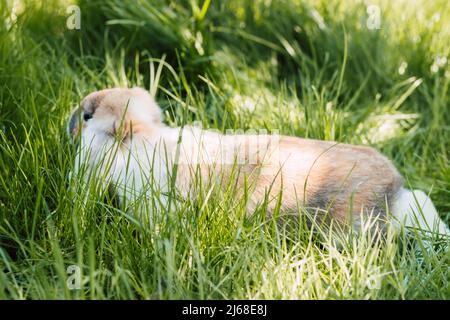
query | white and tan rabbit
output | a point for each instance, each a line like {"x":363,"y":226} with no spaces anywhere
{"x":343,"y":182}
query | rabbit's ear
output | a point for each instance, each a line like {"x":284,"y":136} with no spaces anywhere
{"x":73,"y":127}
{"x":122,"y":129}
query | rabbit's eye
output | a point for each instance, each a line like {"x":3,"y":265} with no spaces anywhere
{"x":87,"y":116}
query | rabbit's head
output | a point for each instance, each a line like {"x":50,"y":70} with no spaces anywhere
{"x":116,"y":113}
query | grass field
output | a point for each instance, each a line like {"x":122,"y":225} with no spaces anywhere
{"x":318,"y":69}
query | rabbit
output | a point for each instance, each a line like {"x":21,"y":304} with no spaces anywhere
{"x":339,"y":183}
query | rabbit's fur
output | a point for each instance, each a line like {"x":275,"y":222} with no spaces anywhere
{"x":338,"y":182}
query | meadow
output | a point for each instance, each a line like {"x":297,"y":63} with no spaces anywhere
{"x":356,"y":72}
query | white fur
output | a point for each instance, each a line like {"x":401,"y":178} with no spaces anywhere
{"x":414,"y":209}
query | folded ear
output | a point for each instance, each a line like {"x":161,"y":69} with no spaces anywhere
{"x":122,"y":129}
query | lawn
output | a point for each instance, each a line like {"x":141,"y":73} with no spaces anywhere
{"x":374,"y":74}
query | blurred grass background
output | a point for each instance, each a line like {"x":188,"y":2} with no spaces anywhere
{"x":305,"y":68}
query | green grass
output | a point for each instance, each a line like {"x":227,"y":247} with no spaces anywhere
{"x":310,"y":69}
